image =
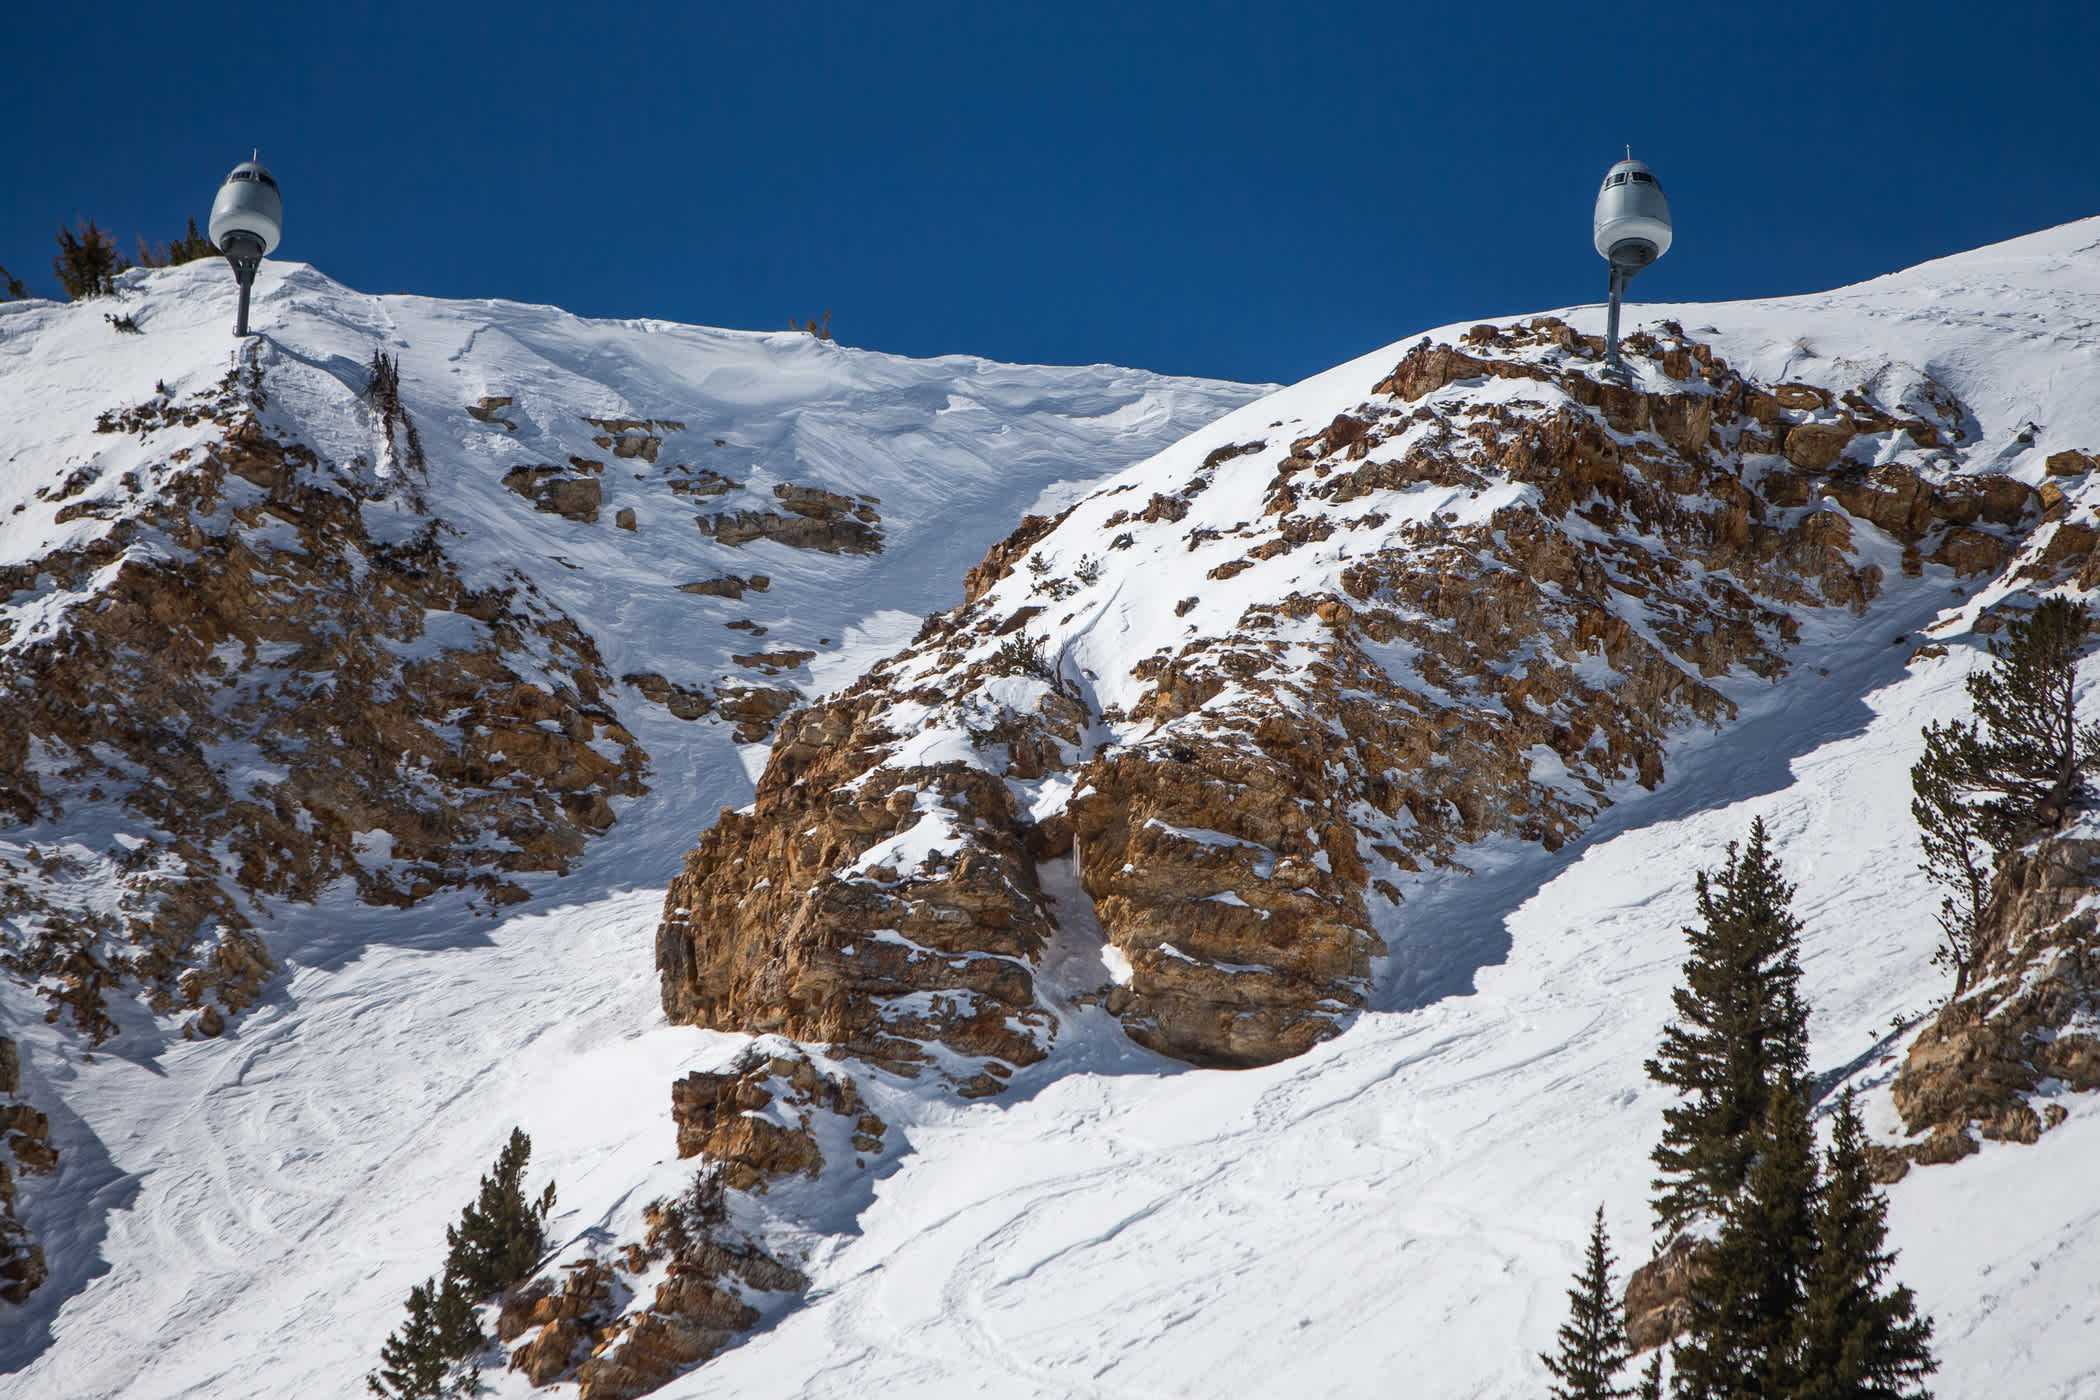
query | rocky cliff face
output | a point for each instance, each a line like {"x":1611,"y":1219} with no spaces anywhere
{"x":284,"y":701}
{"x":1256,"y":686}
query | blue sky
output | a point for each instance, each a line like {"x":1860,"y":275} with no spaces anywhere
{"x":1252,"y":192}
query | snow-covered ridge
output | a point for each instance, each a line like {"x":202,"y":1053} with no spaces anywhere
{"x":1405,"y":1199}
{"x":301,"y":665}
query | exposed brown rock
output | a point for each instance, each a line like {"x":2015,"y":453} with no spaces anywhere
{"x":796,"y":952}
{"x":26,"y":1134}
{"x":830,"y":536}
{"x":733,"y":1117}
{"x":728,"y":586}
{"x":243,"y":606}
{"x":1816,"y":447}
{"x":1228,"y":855}
{"x":1658,"y":1298}
{"x":555,"y":489}
{"x":1983,"y":1060}
{"x":485,"y":411}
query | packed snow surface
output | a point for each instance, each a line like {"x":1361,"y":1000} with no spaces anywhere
{"x":1397,"y":1212}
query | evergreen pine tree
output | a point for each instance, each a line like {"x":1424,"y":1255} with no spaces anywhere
{"x":1955,"y":835}
{"x":2034,"y":750}
{"x":88,"y":262}
{"x":1651,"y":1387}
{"x":16,"y":290}
{"x":1858,"y":1341}
{"x":1740,"y":1336}
{"x":502,"y":1235}
{"x":188,"y":248}
{"x":1985,"y":785}
{"x":418,"y":1360}
{"x":1593,"y":1340}
{"x":1741,"y":1028}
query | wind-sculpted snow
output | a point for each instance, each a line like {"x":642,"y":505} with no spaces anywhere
{"x":1402,"y":1204}
{"x":395,"y":602}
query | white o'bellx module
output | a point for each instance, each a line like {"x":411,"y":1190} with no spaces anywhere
{"x":247,"y":219}
{"x":1631,"y":229}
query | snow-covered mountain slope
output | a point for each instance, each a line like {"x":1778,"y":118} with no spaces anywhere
{"x":295,"y":668}
{"x":1397,"y":1208}
{"x":1888,"y":463}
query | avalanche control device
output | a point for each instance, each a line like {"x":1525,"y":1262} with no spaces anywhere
{"x":247,"y":219}
{"x":1631,"y":230}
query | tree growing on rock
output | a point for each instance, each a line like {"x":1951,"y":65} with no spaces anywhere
{"x":1593,"y":1346}
{"x":1858,"y":1339}
{"x":1741,"y":1030}
{"x":2014,"y":772}
{"x":88,"y":262}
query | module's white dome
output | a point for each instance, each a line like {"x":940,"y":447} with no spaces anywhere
{"x":1631,"y":208}
{"x":248,"y":203}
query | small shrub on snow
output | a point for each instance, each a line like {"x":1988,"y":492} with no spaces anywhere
{"x":1019,"y":656}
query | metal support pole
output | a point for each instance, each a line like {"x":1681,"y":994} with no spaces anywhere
{"x":1620,"y":276}
{"x":244,"y":251}
{"x":245,"y":275}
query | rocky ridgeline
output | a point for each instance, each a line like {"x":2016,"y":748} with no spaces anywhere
{"x":268,"y":700}
{"x":620,"y":1321}
{"x":1469,"y":606}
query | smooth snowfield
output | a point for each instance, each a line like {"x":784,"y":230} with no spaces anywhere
{"x":1397,"y":1212}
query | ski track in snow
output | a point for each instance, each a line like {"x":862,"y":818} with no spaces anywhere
{"x":1401,"y":1207}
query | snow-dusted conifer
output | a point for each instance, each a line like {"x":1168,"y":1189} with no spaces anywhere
{"x":1741,"y":1028}
{"x":1593,"y":1340}
{"x":1858,"y":1340}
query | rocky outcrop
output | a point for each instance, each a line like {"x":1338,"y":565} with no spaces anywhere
{"x":1993,"y":1062}
{"x":1658,"y":1296}
{"x":1446,"y":614}
{"x":622,"y":1325}
{"x":756,"y":1120}
{"x":818,"y":519}
{"x":575,"y":494}
{"x":837,"y":944}
{"x":281,"y":703}
{"x":26,"y":1134}
{"x":628,"y":438}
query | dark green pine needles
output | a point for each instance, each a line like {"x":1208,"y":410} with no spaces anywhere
{"x":1792,"y":1303}
{"x":1741,"y":1030}
{"x":1593,"y":1340}
{"x":496,"y":1243}
{"x":502,"y":1235}
{"x":1857,"y":1338}
{"x":1739,"y":1342}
